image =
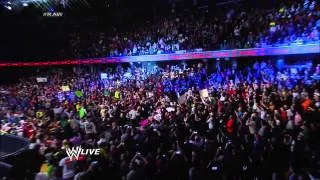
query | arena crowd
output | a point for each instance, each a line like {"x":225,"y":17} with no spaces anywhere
{"x":297,"y":22}
{"x":188,"y":121}
{"x":240,"y":25}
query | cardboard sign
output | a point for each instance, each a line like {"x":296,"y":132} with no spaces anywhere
{"x":39,"y":114}
{"x":103,"y":76}
{"x":117,"y":94}
{"x":204,"y":93}
{"x":82,"y":112}
{"x":65,"y":88}
{"x":42,"y":79}
{"x":170,"y":109}
{"x":78,"y":94}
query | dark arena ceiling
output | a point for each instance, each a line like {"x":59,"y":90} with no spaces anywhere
{"x":59,"y":5}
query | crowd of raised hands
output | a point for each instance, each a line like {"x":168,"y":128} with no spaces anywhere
{"x":190,"y":121}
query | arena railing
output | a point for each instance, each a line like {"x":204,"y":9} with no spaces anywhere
{"x":266,"y":51}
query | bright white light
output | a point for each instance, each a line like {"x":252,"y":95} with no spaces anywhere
{"x":8,"y":7}
{"x":8,"y":2}
{"x":24,"y":4}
